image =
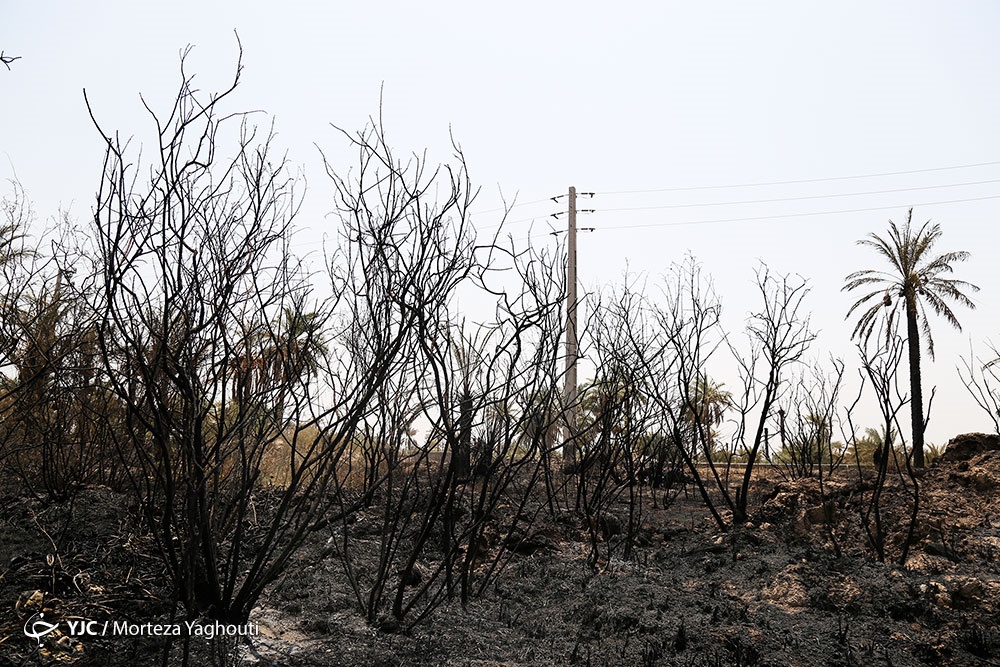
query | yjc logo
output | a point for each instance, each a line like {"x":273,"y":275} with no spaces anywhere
{"x":91,"y":628}
{"x":36,"y":628}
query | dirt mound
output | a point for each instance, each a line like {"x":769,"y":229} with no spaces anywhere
{"x":964,"y":447}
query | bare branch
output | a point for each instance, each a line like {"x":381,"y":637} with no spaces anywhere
{"x":7,"y":60}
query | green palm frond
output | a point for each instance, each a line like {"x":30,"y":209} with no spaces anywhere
{"x":917,"y":277}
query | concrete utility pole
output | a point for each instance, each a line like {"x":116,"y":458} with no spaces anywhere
{"x":569,"y":393}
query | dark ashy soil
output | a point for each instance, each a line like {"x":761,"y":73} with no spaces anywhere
{"x":796,"y":586}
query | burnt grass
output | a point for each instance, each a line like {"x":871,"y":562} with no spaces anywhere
{"x":795,"y":586}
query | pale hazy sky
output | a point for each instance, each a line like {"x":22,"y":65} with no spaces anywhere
{"x":639,"y":97}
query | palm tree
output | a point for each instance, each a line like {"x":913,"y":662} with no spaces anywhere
{"x":297,"y":345}
{"x":294,"y":353}
{"x":917,"y":280}
{"x":705,"y":408}
{"x":461,"y":457}
{"x":603,"y":397}
{"x":540,"y":417}
{"x":290,"y":351}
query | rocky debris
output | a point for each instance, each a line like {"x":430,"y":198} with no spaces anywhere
{"x":964,"y":447}
{"x":980,"y":473}
{"x":804,"y":504}
{"x":942,"y":550}
{"x":956,"y":593}
{"x":609,"y":525}
{"x":826,"y":513}
{"x":528,"y":544}
{"x":787,"y":589}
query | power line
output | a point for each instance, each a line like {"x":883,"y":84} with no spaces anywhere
{"x":748,"y":185}
{"x":802,"y":198}
{"x":798,"y":181}
{"x":538,"y":218}
{"x":534,"y":218}
{"x":795,"y":215}
{"x":512,"y":206}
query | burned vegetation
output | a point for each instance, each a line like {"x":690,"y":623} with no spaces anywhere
{"x":200,"y":430}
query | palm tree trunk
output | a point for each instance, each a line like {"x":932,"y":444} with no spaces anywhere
{"x":460,"y":458}
{"x":917,"y":398}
